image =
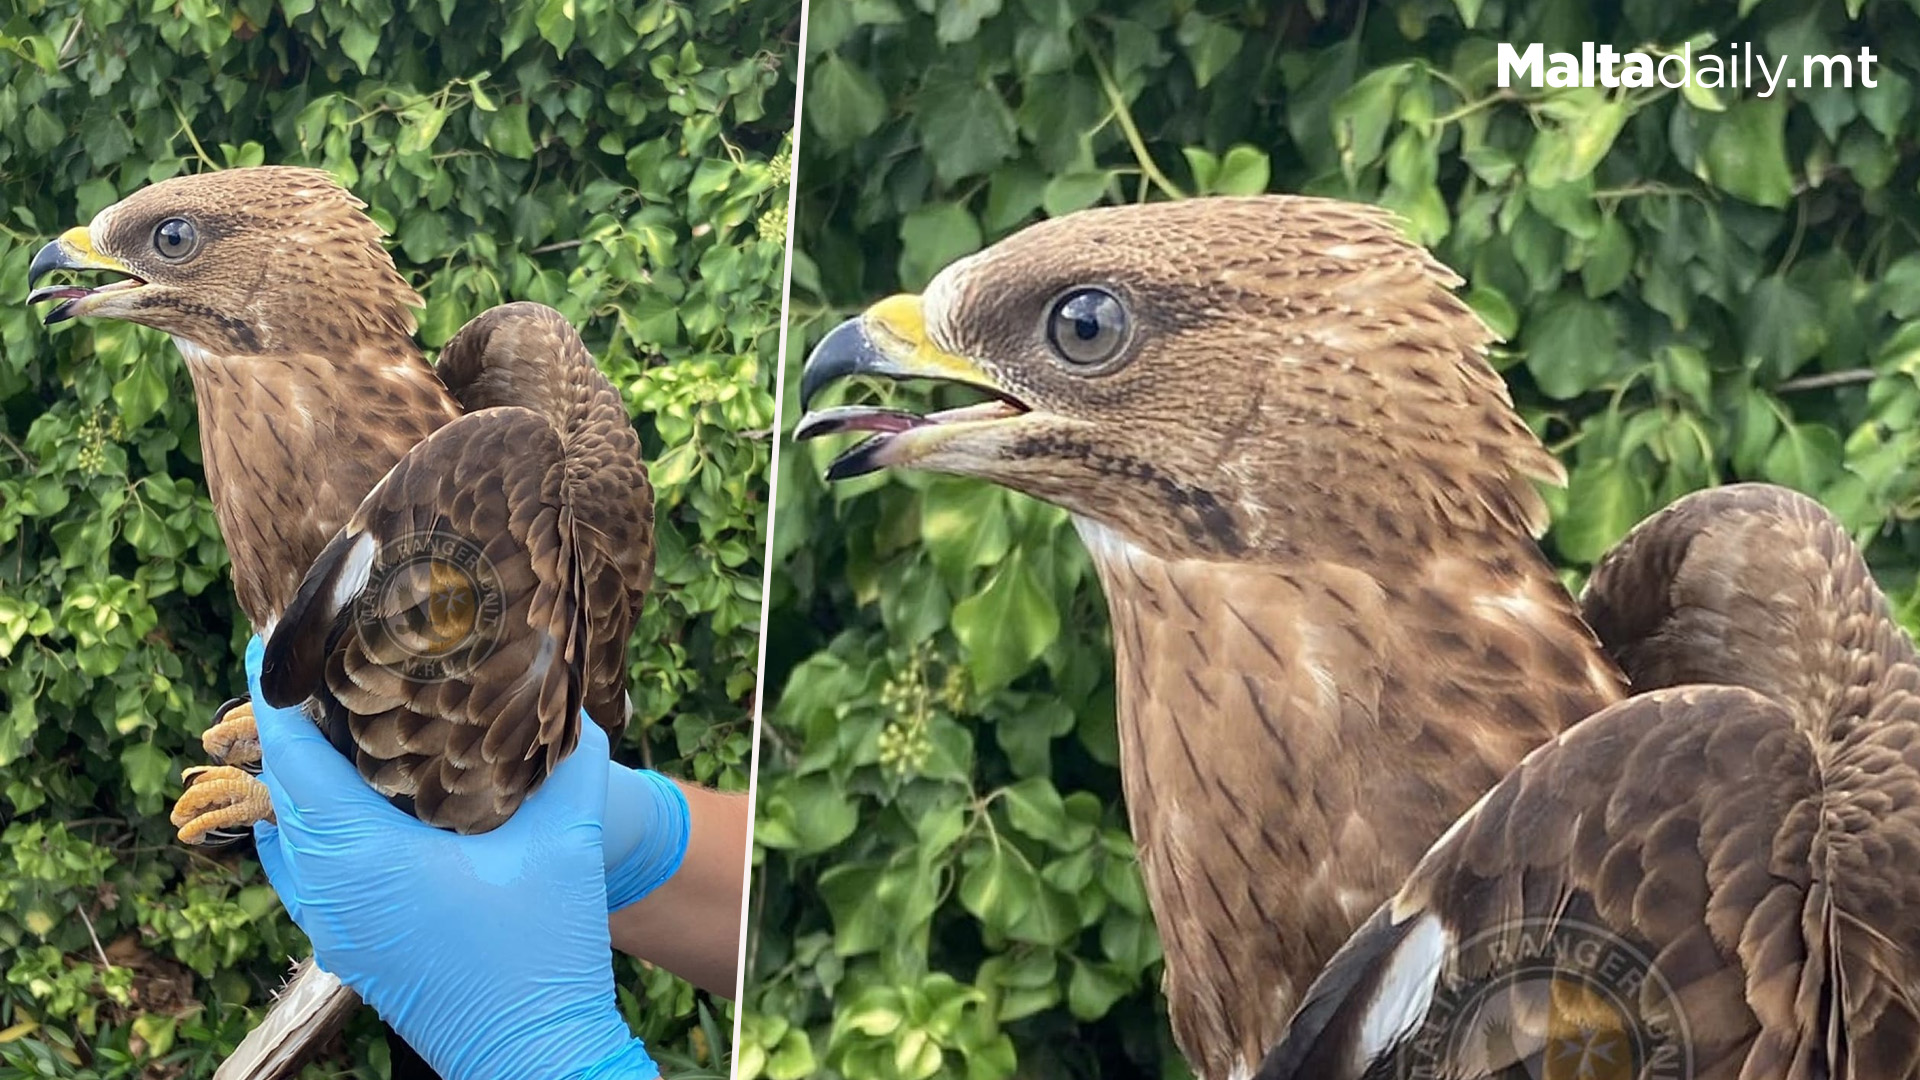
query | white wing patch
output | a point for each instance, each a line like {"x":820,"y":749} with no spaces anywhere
{"x":1406,"y":991}
{"x":353,"y":574}
{"x":1520,"y":604}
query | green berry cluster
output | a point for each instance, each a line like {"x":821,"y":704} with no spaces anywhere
{"x":780,"y":168}
{"x":773,"y":224}
{"x":925,"y":686}
{"x":904,"y":747}
{"x":94,"y":434}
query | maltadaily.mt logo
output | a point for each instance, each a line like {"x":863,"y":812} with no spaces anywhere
{"x":1740,"y":66}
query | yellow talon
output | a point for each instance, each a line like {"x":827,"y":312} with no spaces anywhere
{"x":234,"y":738}
{"x":219,"y":799}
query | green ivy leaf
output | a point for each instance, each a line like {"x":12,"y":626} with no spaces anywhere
{"x":1243,"y":171}
{"x":1900,"y":288}
{"x":1072,"y":191}
{"x":956,"y":21}
{"x":148,"y":768}
{"x":1210,"y":45}
{"x":933,"y":236}
{"x":359,"y":40}
{"x":556,"y":23}
{"x":1573,"y":345}
{"x":1006,"y":625}
{"x":844,"y":104}
{"x":1605,"y":499}
{"x":1094,"y":988}
{"x":1805,"y":457}
{"x":141,"y":393}
{"x":1782,"y":328}
{"x":967,"y":129}
{"x":808,"y":814}
{"x":1036,"y":809}
{"x":1747,"y":154}
{"x":1362,"y":113}
{"x":508,"y":133}
{"x":1609,"y":258}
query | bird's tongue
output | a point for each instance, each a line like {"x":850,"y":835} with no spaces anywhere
{"x":75,"y":292}
{"x":894,"y":421}
{"x":58,"y":292}
{"x":856,"y":418}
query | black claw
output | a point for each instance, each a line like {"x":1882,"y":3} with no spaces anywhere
{"x":222,"y":839}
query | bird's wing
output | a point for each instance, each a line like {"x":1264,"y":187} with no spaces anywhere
{"x":1641,"y":883}
{"x":485,"y":589}
{"x":442,"y":629}
{"x":1703,"y":880}
{"x":525,"y":354}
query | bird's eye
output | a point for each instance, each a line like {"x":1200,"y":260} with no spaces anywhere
{"x":1087,"y":326}
{"x":176,"y":238}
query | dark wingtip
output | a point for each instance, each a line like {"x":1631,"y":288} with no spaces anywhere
{"x":291,"y":665}
{"x":280,"y":680}
{"x":1319,"y":1036}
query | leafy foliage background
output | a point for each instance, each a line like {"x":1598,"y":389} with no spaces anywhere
{"x":1696,"y":287}
{"x":623,"y":160}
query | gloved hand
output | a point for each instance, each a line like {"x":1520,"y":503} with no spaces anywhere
{"x":490,"y":953}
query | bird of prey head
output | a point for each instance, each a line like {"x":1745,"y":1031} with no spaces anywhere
{"x":1311,"y":506}
{"x":1198,"y":375}
{"x":229,"y":264}
{"x":297,"y":331}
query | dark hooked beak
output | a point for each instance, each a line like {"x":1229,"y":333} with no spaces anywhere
{"x":889,"y":340}
{"x":74,"y":251}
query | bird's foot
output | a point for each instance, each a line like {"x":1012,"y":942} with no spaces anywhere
{"x":220,"y":805}
{"x":234,"y":738}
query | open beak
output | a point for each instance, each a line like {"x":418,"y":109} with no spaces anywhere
{"x":890,"y":340}
{"x":74,"y":251}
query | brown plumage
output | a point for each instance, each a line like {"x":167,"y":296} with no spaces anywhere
{"x":1311,"y":507}
{"x":1307,"y":498}
{"x":447,"y":567}
{"x":1740,"y":835}
{"x":540,"y":484}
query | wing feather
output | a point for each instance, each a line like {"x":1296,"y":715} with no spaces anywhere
{"x":1723,"y":951}
{"x":483,"y":593}
{"x":448,"y":667}
{"x":1744,"y":831}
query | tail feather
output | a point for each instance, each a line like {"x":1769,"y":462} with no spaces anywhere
{"x":312,"y":1008}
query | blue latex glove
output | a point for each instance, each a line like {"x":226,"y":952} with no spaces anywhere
{"x":489,"y":954}
{"x":646,"y":832}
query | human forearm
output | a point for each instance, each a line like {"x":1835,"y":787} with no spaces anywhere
{"x":690,"y":924}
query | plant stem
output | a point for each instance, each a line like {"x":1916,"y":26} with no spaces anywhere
{"x":1124,"y":116}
